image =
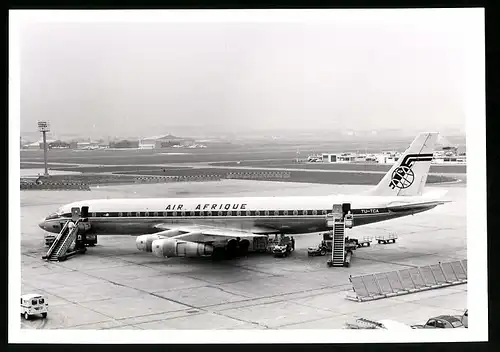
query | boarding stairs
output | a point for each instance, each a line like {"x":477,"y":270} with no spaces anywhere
{"x":338,"y":221}
{"x":63,"y":241}
{"x":338,"y":246}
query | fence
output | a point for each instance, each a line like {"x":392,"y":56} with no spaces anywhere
{"x":257,"y":175}
{"x":60,"y":186}
{"x":166,"y":179}
{"x":400,"y":282}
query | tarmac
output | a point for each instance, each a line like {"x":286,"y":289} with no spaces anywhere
{"x":115,"y":286}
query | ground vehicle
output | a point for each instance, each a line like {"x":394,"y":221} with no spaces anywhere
{"x":465,"y":318}
{"x":284,"y":247}
{"x":441,"y":322}
{"x":32,"y":304}
{"x":321,"y":249}
{"x":324,"y":247}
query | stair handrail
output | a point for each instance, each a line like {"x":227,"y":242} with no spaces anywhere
{"x":54,"y":244}
{"x":69,"y":234}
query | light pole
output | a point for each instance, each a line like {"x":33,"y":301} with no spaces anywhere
{"x":43,"y":126}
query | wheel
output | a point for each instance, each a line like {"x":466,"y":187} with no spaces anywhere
{"x":26,"y":316}
{"x":44,"y":315}
{"x":323,"y":251}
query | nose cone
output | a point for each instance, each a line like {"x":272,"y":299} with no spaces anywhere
{"x":41,"y":224}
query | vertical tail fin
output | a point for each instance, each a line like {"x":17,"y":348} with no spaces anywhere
{"x":408,"y":175}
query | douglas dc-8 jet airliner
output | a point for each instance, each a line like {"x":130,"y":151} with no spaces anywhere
{"x":171,"y":227}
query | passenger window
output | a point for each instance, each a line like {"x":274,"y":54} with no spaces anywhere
{"x":41,"y":301}
{"x":285,"y":212}
{"x":431,"y":322}
{"x":304,"y":212}
{"x":138,"y":214}
{"x":33,"y":302}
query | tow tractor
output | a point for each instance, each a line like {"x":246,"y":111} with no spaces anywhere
{"x":284,"y":247}
{"x":325,"y":245}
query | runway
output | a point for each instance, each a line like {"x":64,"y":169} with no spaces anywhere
{"x":115,"y":286}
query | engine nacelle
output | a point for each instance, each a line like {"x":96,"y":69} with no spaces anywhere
{"x":145,"y":242}
{"x":169,"y":247}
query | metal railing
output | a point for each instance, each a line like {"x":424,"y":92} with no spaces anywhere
{"x":399,"y":282}
{"x":56,"y":240}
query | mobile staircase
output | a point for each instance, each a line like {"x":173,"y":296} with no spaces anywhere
{"x":58,"y":251}
{"x":339,"y":219}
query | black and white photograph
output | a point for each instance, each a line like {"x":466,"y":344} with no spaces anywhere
{"x":271,"y":176}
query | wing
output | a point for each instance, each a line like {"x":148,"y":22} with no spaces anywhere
{"x":208,"y":234}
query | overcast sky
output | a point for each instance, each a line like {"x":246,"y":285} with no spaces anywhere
{"x":144,"y":78}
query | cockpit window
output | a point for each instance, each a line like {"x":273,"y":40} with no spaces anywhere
{"x":52,"y":216}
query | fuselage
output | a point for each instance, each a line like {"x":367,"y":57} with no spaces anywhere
{"x":253,"y":214}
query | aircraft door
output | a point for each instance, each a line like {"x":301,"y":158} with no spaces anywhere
{"x":346,"y":207}
{"x":75,"y":214}
{"x":85,"y":211}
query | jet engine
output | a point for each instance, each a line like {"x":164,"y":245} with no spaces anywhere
{"x":169,"y":247}
{"x":145,"y":242}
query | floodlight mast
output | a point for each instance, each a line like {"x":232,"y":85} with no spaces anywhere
{"x":43,"y":126}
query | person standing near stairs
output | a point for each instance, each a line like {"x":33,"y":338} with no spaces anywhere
{"x":71,"y":225}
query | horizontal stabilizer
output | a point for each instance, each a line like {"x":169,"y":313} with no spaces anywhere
{"x":415,"y":206}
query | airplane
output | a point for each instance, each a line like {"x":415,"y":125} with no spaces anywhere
{"x":192,"y":227}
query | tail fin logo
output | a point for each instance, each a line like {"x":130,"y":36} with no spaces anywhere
{"x":403,"y":176}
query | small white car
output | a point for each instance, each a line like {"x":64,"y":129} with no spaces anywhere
{"x":32,"y":304}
